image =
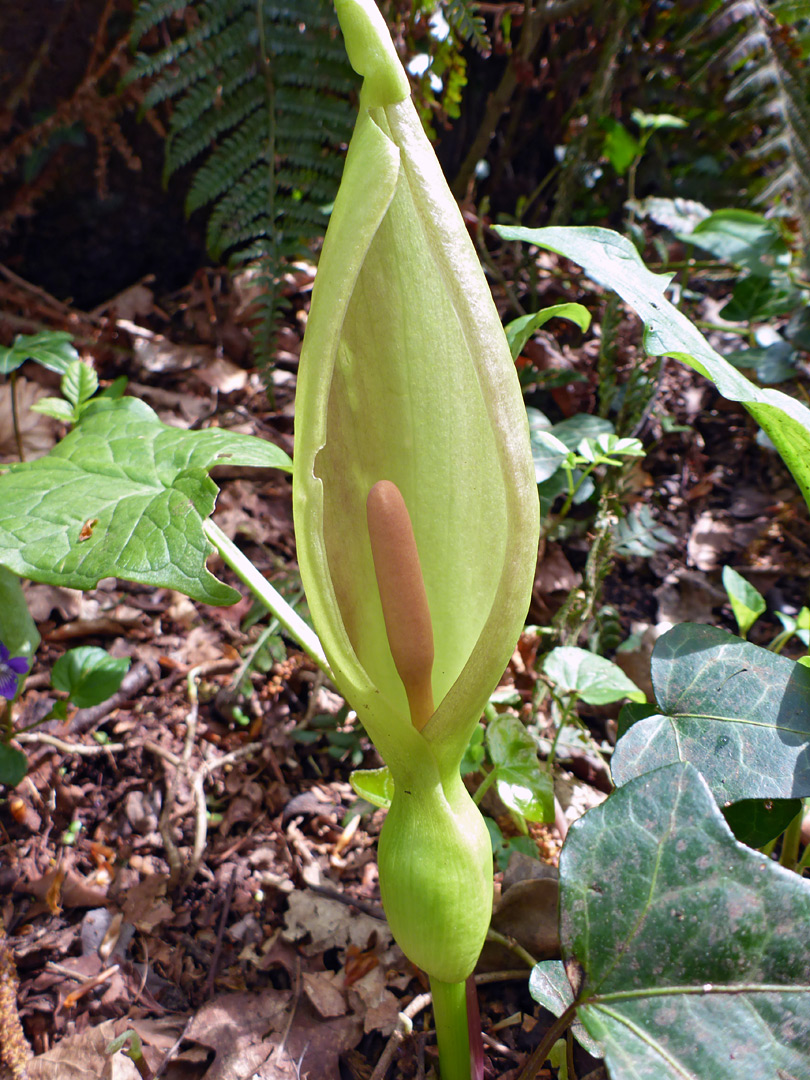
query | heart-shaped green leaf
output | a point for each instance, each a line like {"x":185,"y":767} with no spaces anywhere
{"x":592,"y":678}
{"x":739,"y":713}
{"x":122,"y":495}
{"x":523,"y":784}
{"x":89,"y":675}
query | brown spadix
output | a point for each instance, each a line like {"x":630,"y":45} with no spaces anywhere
{"x":402,"y":593}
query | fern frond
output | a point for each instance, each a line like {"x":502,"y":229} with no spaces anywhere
{"x":152,"y":12}
{"x":260,"y":93}
{"x":463,"y":17}
{"x":770,"y":81}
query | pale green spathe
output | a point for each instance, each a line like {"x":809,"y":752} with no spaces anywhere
{"x":406,"y":376}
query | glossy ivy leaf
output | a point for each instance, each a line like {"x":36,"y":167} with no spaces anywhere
{"x":89,"y":675}
{"x":738,"y":712}
{"x":523,"y":784}
{"x":549,"y":986}
{"x":758,"y":821}
{"x":592,"y":678}
{"x":747,"y":603}
{"x":612,"y":261}
{"x":51,"y":348}
{"x":694,"y":947}
{"x":521,"y":329}
{"x":122,"y":495}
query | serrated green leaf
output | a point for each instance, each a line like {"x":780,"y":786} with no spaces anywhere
{"x":694,"y":947}
{"x":523,"y":784}
{"x":612,"y":261}
{"x":56,"y":407}
{"x":521,"y":329}
{"x":51,"y":348}
{"x":79,"y":383}
{"x":739,"y":713}
{"x":122,"y":495}
{"x":592,"y":678}
{"x":747,"y":602}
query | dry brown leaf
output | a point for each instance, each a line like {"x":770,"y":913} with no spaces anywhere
{"x":708,"y":541}
{"x":328,"y":924}
{"x":373,"y":1001}
{"x":84,"y":1057}
{"x":324,"y":991}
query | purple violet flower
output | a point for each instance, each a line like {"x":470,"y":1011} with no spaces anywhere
{"x":11,"y":668}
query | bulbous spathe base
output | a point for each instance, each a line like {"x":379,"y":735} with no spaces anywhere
{"x":435,"y":861}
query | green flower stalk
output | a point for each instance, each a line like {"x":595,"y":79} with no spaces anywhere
{"x":416,"y":510}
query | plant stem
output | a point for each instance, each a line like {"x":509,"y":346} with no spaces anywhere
{"x":14,"y":417}
{"x":267,"y":595}
{"x":557,"y":1029}
{"x":452,"y":1034}
{"x":484,"y":786}
{"x":790,"y":842}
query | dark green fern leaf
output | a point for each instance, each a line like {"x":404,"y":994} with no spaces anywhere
{"x":769,"y":63}
{"x":260,"y":96}
{"x":463,"y":17}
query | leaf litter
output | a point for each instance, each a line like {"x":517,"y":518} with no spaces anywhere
{"x":271,"y":960}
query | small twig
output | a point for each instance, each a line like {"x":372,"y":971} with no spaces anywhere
{"x":539,"y":1055}
{"x":87,"y":986}
{"x":198,"y":787}
{"x":374,"y":910}
{"x":173,"y":1049}
{"x":513,"y":946}
{"x":223,"y":919}
{"x":402,"y":1030}
{"x":500,"y":1048}
{"x":66,"y":747}
{"x":295,"y":999}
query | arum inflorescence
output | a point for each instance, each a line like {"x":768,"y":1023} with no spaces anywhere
{"x":416,"y":508}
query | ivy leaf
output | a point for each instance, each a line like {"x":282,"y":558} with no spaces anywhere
{"x":694,"y":947}
{"x":738,"y":712}
{"x":122,"y":495}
